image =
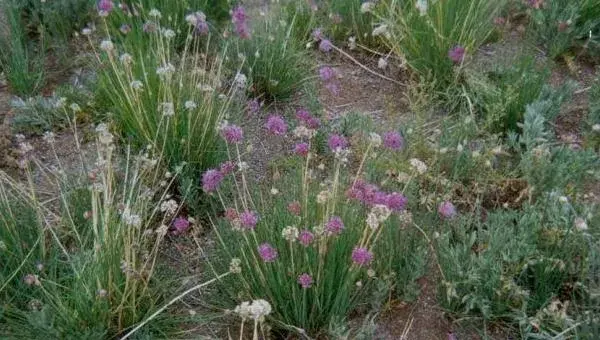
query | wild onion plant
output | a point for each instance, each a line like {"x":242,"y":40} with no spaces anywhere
{"x":436,"y":37}
{"x":315,"y":242}
{"x":168,"y":99}
{"x":79,"y":244}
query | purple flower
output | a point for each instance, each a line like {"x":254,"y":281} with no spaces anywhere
{"x":227,"y":167}
{"x":125,"y":28}
{"x":231,"y":214}
{"x":233,"y":134}
{"x":447,"y":210}
{"x":302,"y":115}
{"x":317,"y":34}
{"x":361,"y":256}
{"x":276,"y":125}
{"x":201,"y":28}
{"x":337,"y":142}
{"x":333,"y":88}
{"x":240,"y":21}
{"x":253,"y":106}
{"x":249,"y":219}
{"x":305,"y":280}
{"x":301,"y":149}
{"x":313,"y":123}
{"x":211,"y":180}
{"x":305,"y":237}
{"x":325,"y":45}
{"x":105,"y":6}
{"x":326,"y":73}
{"x":149,"y":27}
{"x":295,"y":208}
{"x":267,"y":252}
{"x":457,"y":54}
{"x":181,"y":225}
{"x":379,"y":197}
{"x":334,"y":226}
{"x":393,"y":140}
{"x":396,"y":201}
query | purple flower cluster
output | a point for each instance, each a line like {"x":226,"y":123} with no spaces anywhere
{"x":334,"y":226}
{"x":305,"y":280}
{"x":370,"y":195}
{"x":301,"y":149}
{"x":240,"y":21}
{"x":276,"y":125}
{"x":337,"y":142}
{"x":326,"y":73}
{"x":105,"y":6}
{"x":211,"y":180}
{"x":200,"y":24}
{"x":447,"y":210}
{"x":325,"y":45}
{"x":181,"y":225}
{"x":267,"y":252}
{"x":253,"y":106}
{"x":306,"y":237}
{"x":393,"y":140}
{"x":307,"y":119}
{"x":249,"y":219}
{"x":294,"y":208}
{"x":361,"y":256}
{"x":457,"y":54}
{"x":232,"y":134}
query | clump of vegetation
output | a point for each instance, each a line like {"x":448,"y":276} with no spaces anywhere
{"x":566,"y":27}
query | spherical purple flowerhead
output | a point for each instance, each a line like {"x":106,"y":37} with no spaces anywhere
{"x":295,"y":208}
{"x":305,"y":280}
{"x":396,"y":201}
{"x":232,"y":134}
{"x":379,"y":198}
{"x":334,"y":226}
{"x":276,"y":125}
{"x":301,"y":149}
{"x":253,"y":106}
{"x":125,"y":28}
{"x":249,"y":219}
{"x":105,"y":6}
{"x":240,"y":21}
{"x":325,"y":45}
{"x":361,"y":256}
{"x":393,"y":140}
{"x":326,"y":73}
{"x":302,"y":115}
{"x":211,"y":180}
{"x":317,"y":34}
{"x":313,"y":123}
{"x":447,"y":210}
{"x":333,"y":88}
{"x":457,"y":54}
{"x":337,"y":142}
{"x":267,"y":252}
{"x":181,"y":225}
{"x":201,"y":28}
{"x":227,"y":167}
{"x":305,"y":237}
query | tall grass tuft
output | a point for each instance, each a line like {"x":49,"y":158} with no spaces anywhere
{"x":78,"y":245}
{"x":164,"y":98}
{"x":436,"y":37}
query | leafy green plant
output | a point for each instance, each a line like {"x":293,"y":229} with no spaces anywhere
{"x":524,"y":267}
{"x":503,"y":93}
{"x":436,"y":37}
{"x":564,"y":26}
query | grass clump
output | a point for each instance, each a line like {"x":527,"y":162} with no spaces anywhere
{"x":79,"y":257}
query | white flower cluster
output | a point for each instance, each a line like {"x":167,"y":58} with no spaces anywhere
{"x":290,"y":233}
{"x":418,"y":165}
{"x":378,"y":214}
{"x":256,"y":310}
